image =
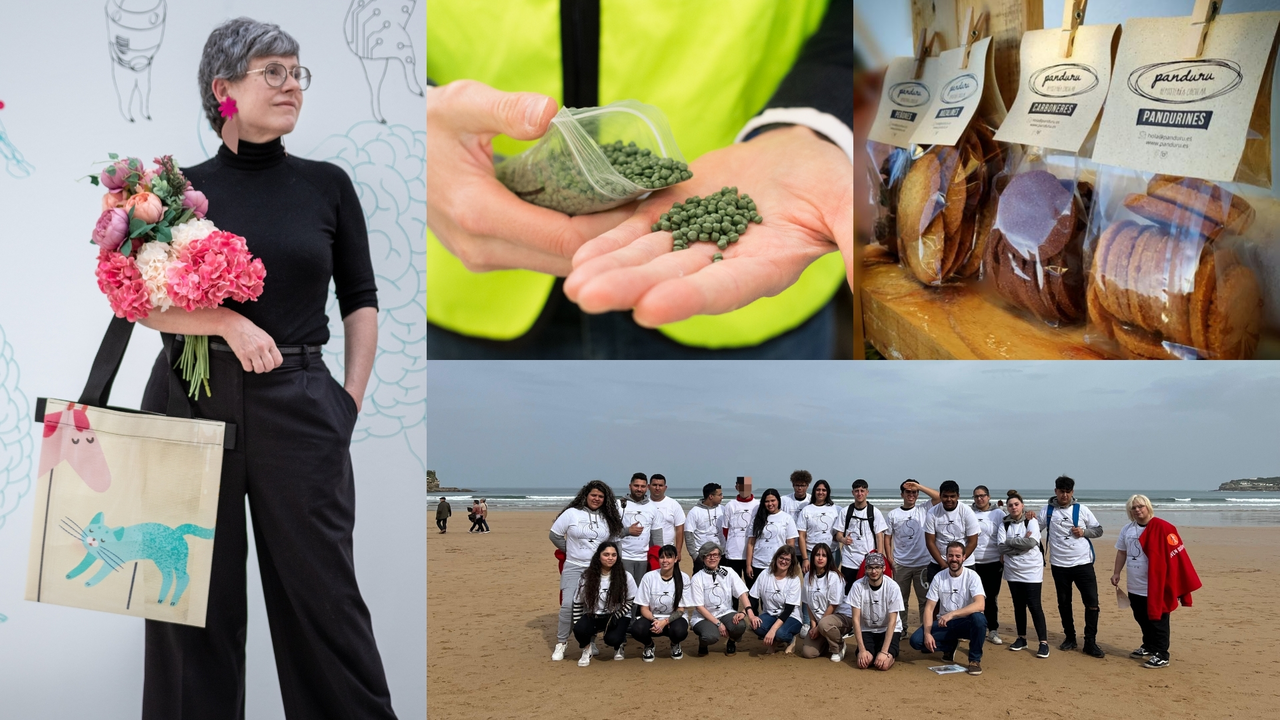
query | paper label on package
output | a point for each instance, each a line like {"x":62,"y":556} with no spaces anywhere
{"x":1059,"y":98}
{"x":957,"y":94}
{"x":1166,"y":114}
{"x":904,"y":101}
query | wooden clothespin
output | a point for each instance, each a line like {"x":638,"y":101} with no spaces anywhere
{"x":1072,"y":19}
{"x":1204,"y":13}
{"x":921,"y":53}
{"x":972,"y":30}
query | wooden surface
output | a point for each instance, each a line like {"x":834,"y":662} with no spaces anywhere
{"x":906,"y":320}
{"x":1008,"y":20}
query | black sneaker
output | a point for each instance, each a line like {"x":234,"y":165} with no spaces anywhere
{"x":1068,"y":644}
{"x":1091,"y":649}
{"x":949,"y":657}
{"x":1155,"y":662}
{"x":702,"y":649}
{"x":730,"y":647}
{"x":1140,"y":654}
{"x":676,"y":652}
{"x":1019,"y":644}
{"x":1043,"y":652}
{"x":647,"y":653}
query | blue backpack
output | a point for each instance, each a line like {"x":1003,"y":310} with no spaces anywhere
{"x":1075,"y":522}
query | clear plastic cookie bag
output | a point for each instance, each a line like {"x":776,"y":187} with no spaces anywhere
{"x":569,"y":169}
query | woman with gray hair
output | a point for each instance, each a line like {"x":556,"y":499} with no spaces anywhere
{"x":293,"y":420}
{"x":1131,"y":553}
{"x":713,"y":591}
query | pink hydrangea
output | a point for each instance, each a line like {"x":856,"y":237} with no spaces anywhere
{"x":112,"y":227}
{"x":121,"y":281}
{"x":210,"y":269}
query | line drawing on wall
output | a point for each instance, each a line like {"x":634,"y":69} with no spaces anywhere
{"x":387,"y":164}
{"x":376,"y":31}
{"x":14,"y":163}
{"x":135,"y":29}
{"x":16,"y":445}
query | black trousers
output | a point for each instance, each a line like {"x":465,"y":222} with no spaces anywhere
{"x":1026,"y":596}
{"x":292,"y":459}
{"x":850,"y":576}
{"x":1155,"y":633}
{"x":1084,"y":579}
{"x":873,"y":641}
{"x":615,"y":629}
{"x":677,"y":630}
{"x":991,"y":574}
{"x":442,"y":523}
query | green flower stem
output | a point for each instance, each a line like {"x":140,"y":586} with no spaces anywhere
{"x":194,"y":364}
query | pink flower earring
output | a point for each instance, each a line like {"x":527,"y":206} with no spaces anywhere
{"x":230,"y":133}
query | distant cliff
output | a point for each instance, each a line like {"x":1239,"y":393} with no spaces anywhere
{"x":1252,"y":484}
{"x":433,"y":484}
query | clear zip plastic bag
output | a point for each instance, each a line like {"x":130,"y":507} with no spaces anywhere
{"x":568,"y":170}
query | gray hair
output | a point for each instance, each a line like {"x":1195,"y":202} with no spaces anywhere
{"x":708,"y":546}
{"x":228,"y":51}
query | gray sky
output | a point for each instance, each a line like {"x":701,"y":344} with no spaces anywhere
{"x":1121,"y":425}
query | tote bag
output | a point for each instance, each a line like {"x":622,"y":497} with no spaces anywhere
{"x":126,"y":501}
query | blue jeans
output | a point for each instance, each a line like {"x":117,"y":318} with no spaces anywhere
{"x":973,"y":627}
{"x":784,"y":634}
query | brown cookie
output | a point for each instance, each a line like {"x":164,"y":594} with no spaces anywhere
{"x":1142,"y":345}
{"x":1183,"y":261}
{"x":1153,"y":279}
{"x":964,"y":239}
{"x":1235,"y":315}
{"x":918,"y":202}
{"x":1211,"y":201}
{"x":1037,"y":215}
{"x":1206,"y":280}
{"x":1101,"y":274}
{"x":1098,"y":315}
{"x":1180,"y":222}
{"x":1133,"y":295}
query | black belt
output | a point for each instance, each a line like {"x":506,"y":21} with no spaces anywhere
{"x":284,"y":349}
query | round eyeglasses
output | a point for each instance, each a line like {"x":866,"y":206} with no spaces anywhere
{"x":276,"y":75}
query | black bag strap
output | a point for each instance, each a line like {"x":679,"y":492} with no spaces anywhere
{"x":106,"y":365}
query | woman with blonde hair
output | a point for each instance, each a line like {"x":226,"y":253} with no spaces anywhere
{"x":778,"y":592}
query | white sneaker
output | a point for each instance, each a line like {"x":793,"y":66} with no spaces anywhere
{"x":585,"y":660}
{"x":558,"y":654}
{"x":595,"y":651}
{"x":994,"y":639}
{"x":839,"y":655}
{"x":621,"y":654}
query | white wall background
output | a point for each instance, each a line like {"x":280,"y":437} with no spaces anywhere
{"x":61,"y":114}
{"x":884,"y":29}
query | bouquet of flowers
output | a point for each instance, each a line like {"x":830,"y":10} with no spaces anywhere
{"x":157,"y":250}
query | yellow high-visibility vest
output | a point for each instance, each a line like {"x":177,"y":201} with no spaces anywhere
{"x":710,"y":65}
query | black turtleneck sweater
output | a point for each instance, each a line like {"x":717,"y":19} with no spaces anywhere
{"x":304,"y":220}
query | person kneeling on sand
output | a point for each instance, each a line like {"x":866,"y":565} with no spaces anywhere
{"x":824,"y":599}
{"x":778,"y":590}
{"x":956,"y":596}
{"x":661,"y":604}
{"x":877,"y":611}
{"x":603,"y":601}
{"x":714,"y":590}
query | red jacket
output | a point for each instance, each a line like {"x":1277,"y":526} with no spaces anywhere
{"x":1170,"y":575}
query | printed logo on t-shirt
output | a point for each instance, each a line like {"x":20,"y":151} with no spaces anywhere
{"x":950,"y":529}
{"x":739,"y":520}
{"x":907,"y":530}
{"x":663,"y":603}
{"x":825,"y":521}
{"x":717,"y":597}
{"x":774,"y":531}
{"x":590,"y":530}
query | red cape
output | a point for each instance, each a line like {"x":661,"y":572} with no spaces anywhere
{"x":1170,"y":576}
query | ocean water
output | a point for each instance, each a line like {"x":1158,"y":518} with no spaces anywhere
{"x":1191,"y":508}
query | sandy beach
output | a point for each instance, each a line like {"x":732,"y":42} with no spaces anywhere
{"x":491,"y":622}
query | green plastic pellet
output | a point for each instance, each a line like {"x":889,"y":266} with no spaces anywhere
{"x":705,"y":237}
{"x":717,"y":258}
{"x":722,"y":243}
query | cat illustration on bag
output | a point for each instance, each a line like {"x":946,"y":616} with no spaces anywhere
{"x":161,"y":544}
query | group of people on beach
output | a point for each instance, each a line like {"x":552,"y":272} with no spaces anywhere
{"x":478,"y":514}
{"x":812,"y":578}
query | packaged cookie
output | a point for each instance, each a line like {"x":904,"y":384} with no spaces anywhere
{"x":945,"y":200}
{"x":1175,"y":246}
{"x":1033,"y":256}
{"x":907,"y":92}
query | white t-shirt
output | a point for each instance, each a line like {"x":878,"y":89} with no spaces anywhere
{"x":860,"y":531}
{"x":636,"y":547}
{"x":704,"y":523}
{"x":953,"y":526}
{"x":716,"y":592}
{"x":906,"y":527}
{"x":1025,"y":567}
{"x":792,"y":506}
{"x":583,"y":530}
{"x":989,"y":522}
{"x":774,"y":593}
{"x":602,"y":596}
{"x":874,"y":605}
{"x":820,"y":523}
{"x":1135,"y":564}
{"x":953,"y":593}
{"x":668,"y":515}
{"x":1066,"y":550}
{"x":778,"y":529}
{"x":659,"y":595}
{"x":737,"y":519}
{"x":822,"y":591}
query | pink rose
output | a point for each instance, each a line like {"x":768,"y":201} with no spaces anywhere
{"x":196,"y":201}
{"x":112,"y":200}
{"x":112,"y":227}
{"x":113,"y":176}
{"x":146,"y":207}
